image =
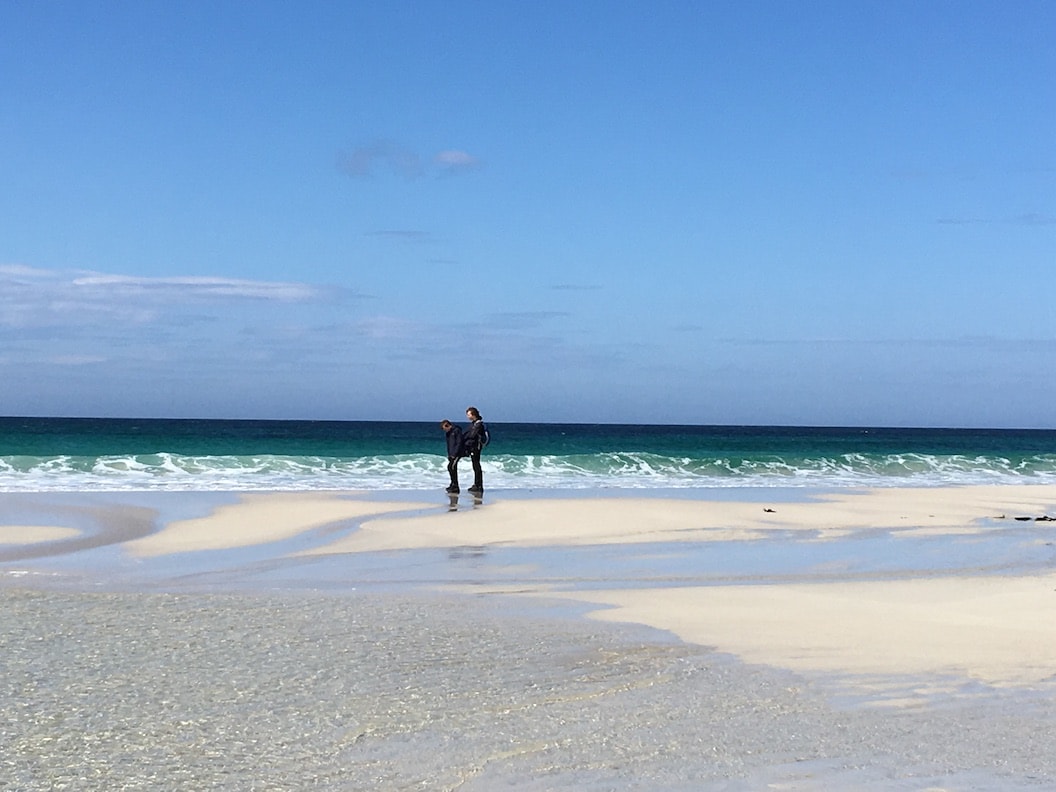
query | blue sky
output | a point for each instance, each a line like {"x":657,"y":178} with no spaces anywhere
{"x":671,"y":212}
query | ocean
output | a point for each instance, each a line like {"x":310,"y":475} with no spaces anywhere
{"x":89,"y":454}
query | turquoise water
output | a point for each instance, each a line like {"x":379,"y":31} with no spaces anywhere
{"x":53,"y":454}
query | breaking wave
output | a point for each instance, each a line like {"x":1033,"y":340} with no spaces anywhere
{"x":168,"y":471}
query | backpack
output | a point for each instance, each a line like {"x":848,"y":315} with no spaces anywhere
{"x":484,"y":437}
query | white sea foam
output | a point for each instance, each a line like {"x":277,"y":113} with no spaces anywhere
{"x":164,"y":471}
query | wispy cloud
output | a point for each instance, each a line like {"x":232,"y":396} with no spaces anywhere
{"x":365,"y":161}
{"x":198,"y":287}
{"x":386,"y":156}
{"x":21,"y":271}
{"x":452,"y":161}
{"x":31,"y":297}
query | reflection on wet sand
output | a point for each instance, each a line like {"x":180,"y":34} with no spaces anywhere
{"x":457,"y":501}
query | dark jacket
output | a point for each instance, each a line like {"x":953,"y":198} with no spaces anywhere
{"x":473,"y":440}
{"x":454,"y":442}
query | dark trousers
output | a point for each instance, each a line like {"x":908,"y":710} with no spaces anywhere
{"x":452,"y":470}
{"x":478,"y":474}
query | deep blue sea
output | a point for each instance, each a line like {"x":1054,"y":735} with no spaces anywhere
{"x":86,"y":454}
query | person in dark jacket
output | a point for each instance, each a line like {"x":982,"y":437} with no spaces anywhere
{"x":454,"y":452}
{"x":474,"y":439}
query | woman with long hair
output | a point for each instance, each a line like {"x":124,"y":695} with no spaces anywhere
{"x":474,"y":439}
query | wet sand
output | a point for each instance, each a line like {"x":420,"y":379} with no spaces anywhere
{"x":899,"y":639}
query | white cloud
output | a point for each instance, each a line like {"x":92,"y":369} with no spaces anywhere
{"x":31,"y":297}
{"x":22,"y":271}
{"x":384,"y":155}
{"x":199,"y":287}
{"x":451,"y":160}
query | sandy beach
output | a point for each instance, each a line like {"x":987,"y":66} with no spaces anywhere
{"x":993,"y":628}
{"x":843,"y":627}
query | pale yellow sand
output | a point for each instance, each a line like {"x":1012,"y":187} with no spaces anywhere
{"x":550,"y":522}
{"x":1000,"y":630}
{"x":259,"y":518}
{"x":580,"y":521}
{"x":34,"y":534}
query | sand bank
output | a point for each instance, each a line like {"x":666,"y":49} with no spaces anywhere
{"x":590,"y":521}
{"x":34,"y":534}
{"x":257,"y":518}
{"x":998,"y":630}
